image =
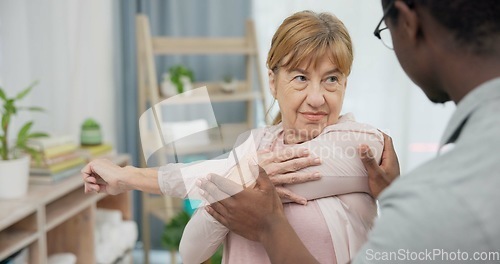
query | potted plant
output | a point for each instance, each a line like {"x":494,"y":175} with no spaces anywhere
{"x":91,"y":133}
{"x":182,"y":78}
{"x":229,"y":84}
{"x":172,"y":233}
{"x":15,"y":156}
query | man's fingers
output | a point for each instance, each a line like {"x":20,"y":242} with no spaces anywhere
{"x":207,"y":196}
{"x":213,"y":210}
{"x":389,"y":160}
{"x":211,"y":192}
{"x":369,"y":161}
{"x":380,"y":176}
{"x":387,"y":142}
{"x":295,"y":177}
{"x":263,"y":182}
{"x":225,"y":185}
{"x":284,"y":193}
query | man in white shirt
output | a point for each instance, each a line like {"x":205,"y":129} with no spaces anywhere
{"x":447,"y":210}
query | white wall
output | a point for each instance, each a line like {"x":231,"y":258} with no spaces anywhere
{"x":378,"y":91}
{"x":67,"y":46}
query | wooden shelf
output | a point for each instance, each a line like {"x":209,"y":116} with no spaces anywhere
{"x":230,"y":133}
{"x":148,"y":47}
{"x":65,"y":207}
{"x":18,"y":235}
{"x":242,"y":93}
{"x":13,"y":210}
{"x":49,"y":217}
{"x":222,"y":142}
{"x":167,"y":45}
{"x":12,"y":241}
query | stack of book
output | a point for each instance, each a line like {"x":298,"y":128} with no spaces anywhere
{"x":104,"y":150}
{"x":60,"y":158}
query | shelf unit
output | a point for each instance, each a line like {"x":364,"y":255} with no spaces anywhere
{"x":56,"y":218}
{"x":148,"y":47}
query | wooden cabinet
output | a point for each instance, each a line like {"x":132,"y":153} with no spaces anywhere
{"x":56,"y":218}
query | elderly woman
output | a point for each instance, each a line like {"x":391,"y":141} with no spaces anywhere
{"x":309,"y":61}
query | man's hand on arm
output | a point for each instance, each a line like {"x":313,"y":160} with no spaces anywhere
{"x":256,"y":213}
{"x":380,"y":176}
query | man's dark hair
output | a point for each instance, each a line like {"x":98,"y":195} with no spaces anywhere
{"x":474,"y":23}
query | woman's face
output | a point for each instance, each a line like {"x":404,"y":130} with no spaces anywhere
{"x":309,"y":98}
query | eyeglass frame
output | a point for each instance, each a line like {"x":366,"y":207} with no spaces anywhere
{"x":377,"y":29}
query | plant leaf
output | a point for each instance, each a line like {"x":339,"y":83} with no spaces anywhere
{"x":23,"y":133}
{"x":24,"y":92}
{"x":35,"y":108}
{"x":5,"y":120}
{"x":2,"y":94}
{"x":36,"y":155}
{"x":9,"y":106}
{"x":37,"y":135}
{"x":172,"y":234}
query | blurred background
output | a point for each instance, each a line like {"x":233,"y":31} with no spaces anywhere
{"x":83,"y":53}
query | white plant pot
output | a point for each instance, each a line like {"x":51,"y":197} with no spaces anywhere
{"x":229,"y":87}
{"x":14,"y":176}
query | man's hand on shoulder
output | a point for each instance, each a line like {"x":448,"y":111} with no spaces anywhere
{"x":380,"y":176}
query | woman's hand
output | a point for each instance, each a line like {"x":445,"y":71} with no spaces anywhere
{"x":103,"y":176}
{"x":283,"y":167}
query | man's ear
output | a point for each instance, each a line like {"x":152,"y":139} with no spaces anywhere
{"x":272,"y":82}
{"x":408,"y":22}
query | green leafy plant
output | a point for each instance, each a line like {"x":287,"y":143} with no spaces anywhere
{"x":228,"y":78}
{"x":9,"y":110}
{"x":176,"y":72}
{"x":217,"y":257}
{"x":172,"y":235}
{"x":90,"y":123}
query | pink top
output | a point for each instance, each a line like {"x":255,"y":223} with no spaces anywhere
{"x":333,"y":228}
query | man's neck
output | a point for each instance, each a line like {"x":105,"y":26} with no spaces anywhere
{"x":460,"y":74}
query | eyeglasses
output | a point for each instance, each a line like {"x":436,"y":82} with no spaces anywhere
{"x":381,"y":31}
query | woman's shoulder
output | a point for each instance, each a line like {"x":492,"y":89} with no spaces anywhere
{"x":347,"y":123}
{"x":260,"y":135}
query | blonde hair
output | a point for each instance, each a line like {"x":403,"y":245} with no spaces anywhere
{"x":306,"y":37}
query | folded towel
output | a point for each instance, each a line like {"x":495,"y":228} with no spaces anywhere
{"x":62,"y":258}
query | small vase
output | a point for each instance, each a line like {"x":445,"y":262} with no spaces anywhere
{"x":14,"y":177}
{"x":229,"y":87}
{"x":91,"y":136}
